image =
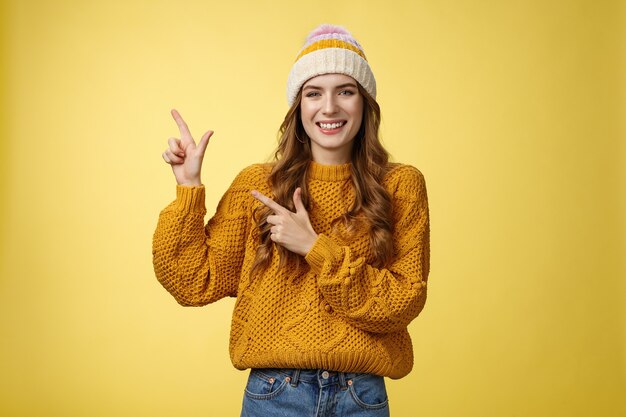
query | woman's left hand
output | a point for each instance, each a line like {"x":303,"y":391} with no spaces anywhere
{"x":289,"y":229}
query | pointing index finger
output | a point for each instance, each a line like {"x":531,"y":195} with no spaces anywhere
{"x":268,"y":201}
{"x":182,"y":126}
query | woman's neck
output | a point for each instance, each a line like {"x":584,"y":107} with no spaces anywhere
{"x":334,"y":157}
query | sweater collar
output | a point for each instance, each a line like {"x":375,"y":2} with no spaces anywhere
{"x":329,"y":172}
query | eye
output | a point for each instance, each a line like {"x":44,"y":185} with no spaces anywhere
{"x":346,"y":92}
{"x":312,"y":94}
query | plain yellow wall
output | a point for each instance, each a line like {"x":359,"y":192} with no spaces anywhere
{"x":514,"y":112}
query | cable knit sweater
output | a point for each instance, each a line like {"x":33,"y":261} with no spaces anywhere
{"x":338,"y":312}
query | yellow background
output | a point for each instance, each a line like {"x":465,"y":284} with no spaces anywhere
{"x":514,"y":112}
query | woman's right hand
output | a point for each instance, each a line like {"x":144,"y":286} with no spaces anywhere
{"x":184,"y":155}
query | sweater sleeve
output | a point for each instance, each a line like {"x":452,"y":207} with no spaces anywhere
{"x":381,"y":300}
{"x":201,"y":264}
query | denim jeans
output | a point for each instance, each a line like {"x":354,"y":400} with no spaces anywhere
{"x":314,"y":393}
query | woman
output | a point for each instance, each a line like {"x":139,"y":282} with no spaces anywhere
{"x":326,"y":249}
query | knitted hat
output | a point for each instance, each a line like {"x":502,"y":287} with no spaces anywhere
{"x":330,"y":49}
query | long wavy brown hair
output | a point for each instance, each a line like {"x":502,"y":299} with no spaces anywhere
{"x":372,"y":202}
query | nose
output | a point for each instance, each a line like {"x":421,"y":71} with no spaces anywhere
{"x":330,"y":104}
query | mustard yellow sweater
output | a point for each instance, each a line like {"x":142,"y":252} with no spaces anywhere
{"x":338,"y":312}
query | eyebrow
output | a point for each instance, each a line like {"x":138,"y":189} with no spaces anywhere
{"x":314,"y":87}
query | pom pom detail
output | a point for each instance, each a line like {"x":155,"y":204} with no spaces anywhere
{"x":327,"y":29}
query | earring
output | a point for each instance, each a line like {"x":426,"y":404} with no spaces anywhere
{"x":298,"y":139}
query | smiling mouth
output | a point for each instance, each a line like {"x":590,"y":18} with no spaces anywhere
{"x":331,"y":126}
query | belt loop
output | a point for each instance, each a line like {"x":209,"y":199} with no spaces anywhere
{"x":342,"y":381}
{"x":295,"y":378}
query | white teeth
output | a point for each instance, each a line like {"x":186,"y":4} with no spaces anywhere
{"x":331,"y":125}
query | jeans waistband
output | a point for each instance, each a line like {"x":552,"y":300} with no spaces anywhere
{"x":320,"y":376}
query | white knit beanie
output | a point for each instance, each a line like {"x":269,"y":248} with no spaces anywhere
{"x":330,"y":49}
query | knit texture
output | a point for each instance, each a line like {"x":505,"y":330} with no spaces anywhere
{"x":337,"y":312}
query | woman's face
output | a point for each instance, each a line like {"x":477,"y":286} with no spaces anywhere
{"x":331,"y":110}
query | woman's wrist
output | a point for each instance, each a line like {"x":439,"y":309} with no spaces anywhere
{"x":309,"y":245}
{"x":191,"y":183}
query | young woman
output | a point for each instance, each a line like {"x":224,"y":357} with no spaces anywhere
{"x":326,"y":248}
